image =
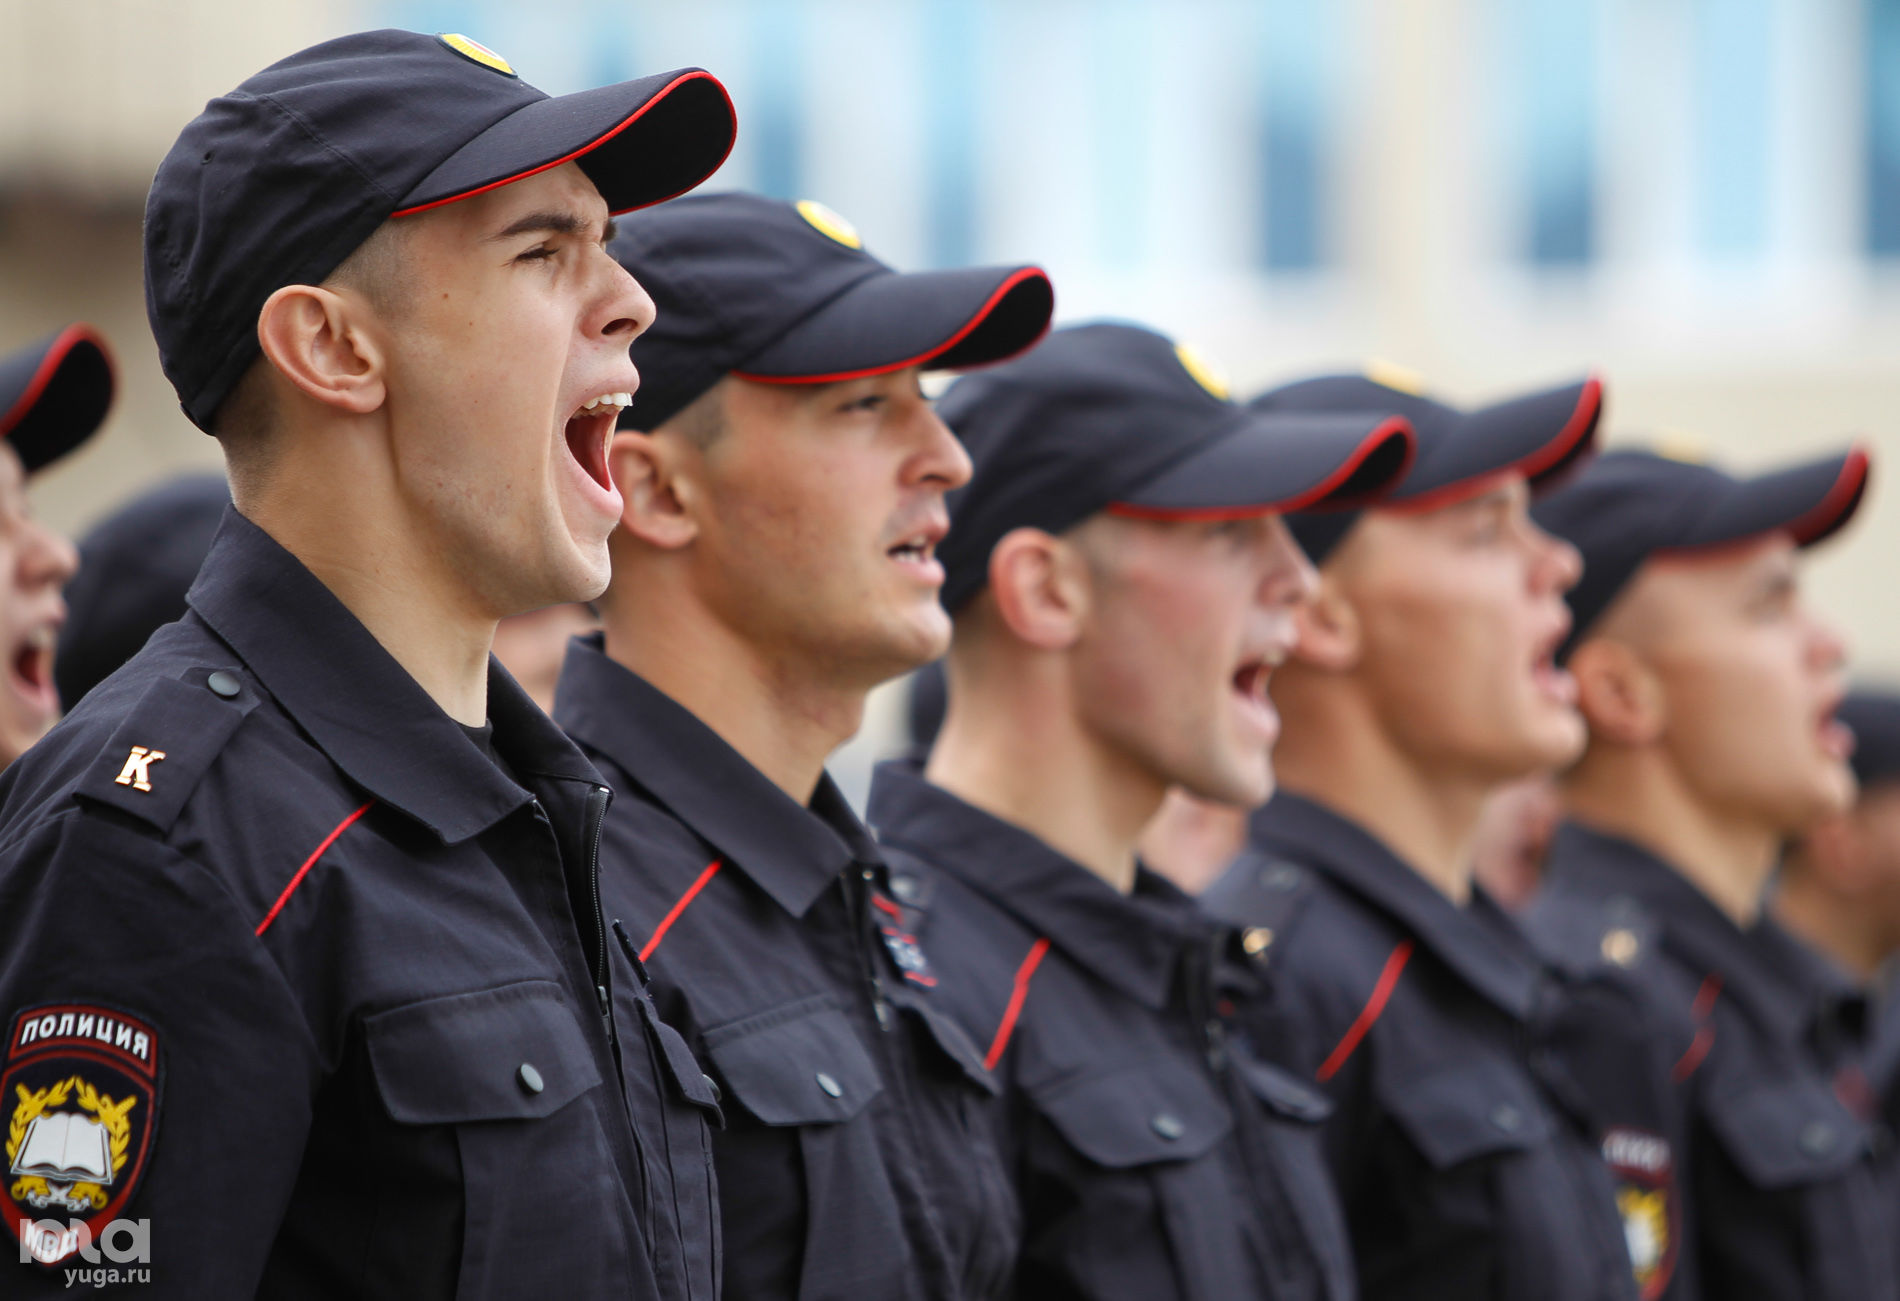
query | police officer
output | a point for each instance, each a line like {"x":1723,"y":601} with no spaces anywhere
{"x":1710,"y":692}
{"x":305,"y":984}
{"x":53,"y":394}
{"x":1461,"y":1138}
{"x":1838,"y":887}
{"x":784,"y":482}
{"x":1122,"y":588}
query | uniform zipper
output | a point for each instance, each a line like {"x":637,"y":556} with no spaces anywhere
{"x":597,"y":800}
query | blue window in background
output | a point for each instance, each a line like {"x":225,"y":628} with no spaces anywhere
{"x":1882,"y":45}
{"x":1548,"y":54}
{"x":1298,"y":71}
{"x":1734,"y":53}
{"x":951,"y":58}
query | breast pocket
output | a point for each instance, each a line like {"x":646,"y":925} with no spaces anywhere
{"x":1805,"y":1156}
{"x":798,"y":1083}
{"x":1151,"y":1205}
{"x":510,"y":1072}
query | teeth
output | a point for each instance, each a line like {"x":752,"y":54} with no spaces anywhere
{"x":42,"y":638}
{"x":619,"y":401}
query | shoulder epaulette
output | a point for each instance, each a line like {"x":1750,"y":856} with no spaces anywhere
{"x":166,"y":743}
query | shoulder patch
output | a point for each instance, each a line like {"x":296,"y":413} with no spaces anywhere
{"x":166,"y":744}
{"x":78,"y":1111}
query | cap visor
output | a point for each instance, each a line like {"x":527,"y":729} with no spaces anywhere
{"x":1808,"y":501}
{"x":887,"y":321}
{"x":54,"y":394}
{"x":639,"y":141}
{"x":1279,"y":462}
{"x":1540,"y":435}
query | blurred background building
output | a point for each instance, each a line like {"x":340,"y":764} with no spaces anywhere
{"x":1698,"y":198}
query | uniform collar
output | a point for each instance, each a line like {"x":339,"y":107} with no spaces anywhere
{"x":1759,"y":974}
{"x":360,"y":707}
{"x":791,"y":851}
{"x":1131,"y":943}
{"x":1292,"y":826}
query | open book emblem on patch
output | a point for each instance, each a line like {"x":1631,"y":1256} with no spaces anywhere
{"x":78,"y":1107}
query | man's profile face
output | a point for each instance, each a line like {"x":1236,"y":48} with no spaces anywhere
{"x":35,"y":562}
{"x":821,"y":509}
{"x":1750,"y":680}
{"x":1185,"y":624}
{"x":1460,"y":613}
{"x":512,"y":318}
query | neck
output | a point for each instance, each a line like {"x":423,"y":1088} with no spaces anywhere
{"x":1637,"y":795}
{"x":1016,"y":749}
{"x":1843,"y":928}
{"x":396,"y":585}
{"x":785,"y":721}
{"x":1425,"y":813}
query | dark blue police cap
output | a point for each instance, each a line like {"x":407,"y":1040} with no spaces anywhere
{"x":1874,"y":715}
{"x":785,"y":293}
{"x":54,"y":394}
{"x":135,"y":567}
{"x":1116,"y":417}
{"x":1541,"y":435}
{"x":279,"y":181}
{"x":1632,"y":504}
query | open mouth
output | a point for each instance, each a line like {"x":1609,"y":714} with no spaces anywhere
{"x":589,"y":432}
{"x":1250,"y":682}
{"x":1551,"y":680}
{"x":1836,"y":738}
{"x":917,"y":554}
{"x":30,"y":670}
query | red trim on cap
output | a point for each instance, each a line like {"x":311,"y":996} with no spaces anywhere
{"x":1369,"y":1014}
{"x":1581,"y":421}
{"x":1826,"y":516}
{"x":1372,"y":442}
{"x":1018,"y":992}
{"x":1003,"y":290}
{"x":63,"y":344}
{"x":657,"y":96}
{"x":309,"y":863}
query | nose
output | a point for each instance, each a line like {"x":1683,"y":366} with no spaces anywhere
{"x":941,"y":460}
{"x":47,"y":558}
{"x":1827,"y":646}
{"x":623,"y":310}
{"x":1559,"y":564}
{"x":1290,"y":578}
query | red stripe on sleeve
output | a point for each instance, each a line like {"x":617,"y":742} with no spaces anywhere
{"x":1007,"y":1026}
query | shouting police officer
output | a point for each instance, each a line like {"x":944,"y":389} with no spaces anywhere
{"x":1123,"y":587}
{"x":1710,"y":688}
{"x":784,"y":481}
{"x":305,"y":983}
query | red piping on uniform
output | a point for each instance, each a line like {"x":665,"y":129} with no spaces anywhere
{"x":1388,"y":979}
{"x":1581,"y":421}
{"x":879,"y":902}
{"x":1007,"y":1026}
{"x":1698,"y":1048}
{"x":666,"y":922}
{"x":68,"y":339}
{"x":982,"y":313}
{"x":309,"y":863}
{"x":659,"y":95}
{"x":1373,"y":441}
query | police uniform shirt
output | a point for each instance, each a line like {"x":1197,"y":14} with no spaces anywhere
{"x":1463,"y":1154}
{"x":854,"y":1163}
{"x":1787,"y":1188}
{"x":296,"y":974}
{"x":1152,"y":1161}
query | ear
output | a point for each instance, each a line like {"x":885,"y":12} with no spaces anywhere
{"x":656,"y":498}
{"x":321,"y":343}
{"x":1041,"y":588}
{"x":1330,"y":633}
{"x":1619,"y":695}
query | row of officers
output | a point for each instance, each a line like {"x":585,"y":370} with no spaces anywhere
{"x":331,"y":966}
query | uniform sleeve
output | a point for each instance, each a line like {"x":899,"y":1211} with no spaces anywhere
{"x":158,"y":1077}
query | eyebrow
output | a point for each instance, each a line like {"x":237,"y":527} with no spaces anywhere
{"x":555,"y":221}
